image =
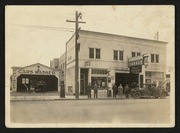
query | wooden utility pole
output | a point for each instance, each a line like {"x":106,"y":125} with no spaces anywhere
{"x":78,"y":15}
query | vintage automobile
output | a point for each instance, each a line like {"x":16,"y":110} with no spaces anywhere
{"x":149,"y":90}
{"x":40,"y":86}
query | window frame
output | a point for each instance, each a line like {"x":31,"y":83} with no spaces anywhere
{"x":121,"y":56}
{"x":98,"y":55}
{"x":115,"y":51}
{"x":152,"y":58}
{"x":157,"y":59}
{"x":91,"y":53}
{"x":133,"y":53}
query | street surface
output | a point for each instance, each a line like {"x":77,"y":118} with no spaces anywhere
{"x":91,"y":111}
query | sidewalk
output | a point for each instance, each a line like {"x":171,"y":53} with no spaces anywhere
{"x":32,"y":96}
{"x":25,"y":96}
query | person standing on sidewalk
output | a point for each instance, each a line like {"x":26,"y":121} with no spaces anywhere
{"x":120,"y":91}
{"x":89,"y":87}
{"x":109,"y":89}
{"x":95,"y":91}
{"x":114,"y":90}
{"x":127,"y":91}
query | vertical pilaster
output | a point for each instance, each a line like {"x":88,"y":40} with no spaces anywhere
{"x":89,"y":75}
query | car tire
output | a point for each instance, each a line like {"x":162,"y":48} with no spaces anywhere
{"x":137,"y":95}
{"x":162,"y":95}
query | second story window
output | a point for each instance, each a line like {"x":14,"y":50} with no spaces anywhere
{"x":138,"y":53}
{"x":94,"y":53}
{"x":115,"y":55}
{"x":97,"y":53}
{"x":154,"y":58}
{"x":157,"y":58}
{"x":120,"y":55}
{"x":135,"y":54}
{"x":91,"y":53}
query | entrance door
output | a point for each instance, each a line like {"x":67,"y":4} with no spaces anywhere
{"x":126,"y":78}
{"x":31,"y":81}
{"x":82,"y":87}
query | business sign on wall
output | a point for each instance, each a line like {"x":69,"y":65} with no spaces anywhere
{"x":135,"y":64}
{"x":136,"y":69}
{"x":135,"y":61}
{"x":42,"y":72}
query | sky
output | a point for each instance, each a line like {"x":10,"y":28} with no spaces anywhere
{"x":39,"y":33}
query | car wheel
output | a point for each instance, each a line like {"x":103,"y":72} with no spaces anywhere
{"x":137,"y":95}
{"x":162,"y":95}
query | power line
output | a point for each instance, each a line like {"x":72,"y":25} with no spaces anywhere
{"x":47,"y":27}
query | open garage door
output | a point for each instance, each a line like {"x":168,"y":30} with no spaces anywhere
{"x":126,"y":78}
{"x":26,"y":81}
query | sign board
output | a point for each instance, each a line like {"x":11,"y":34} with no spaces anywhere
{"x":30,"y":71}
{"x":135,"y":61}
{"x":135,"y":69}
{"x":87,"y":63}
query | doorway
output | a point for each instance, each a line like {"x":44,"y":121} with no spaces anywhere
{"x":83,"y":81}
{"x":25,"y":81}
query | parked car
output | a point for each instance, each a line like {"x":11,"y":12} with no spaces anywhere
{"x":40,"y":86}
{"x":149,"y":90}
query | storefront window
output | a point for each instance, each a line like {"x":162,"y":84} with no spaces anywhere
{"x":99,"y":71}
{"x":100,"y":81}
{"x":148,"y":74}
{"x":148,"y":81}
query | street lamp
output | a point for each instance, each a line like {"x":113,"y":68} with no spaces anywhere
{"x":145,"y":60}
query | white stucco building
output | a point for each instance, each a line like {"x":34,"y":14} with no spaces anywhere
{"x":101,"y":53}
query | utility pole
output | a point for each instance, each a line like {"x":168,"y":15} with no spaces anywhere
{"x":78,"y":15}
{"x":157,"y":36}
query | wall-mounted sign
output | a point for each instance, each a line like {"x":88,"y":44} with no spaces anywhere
{"x":135,"y":69}
{"x":43,"y":72}
{"x":87,"y":63}
{"x":135,"y":61}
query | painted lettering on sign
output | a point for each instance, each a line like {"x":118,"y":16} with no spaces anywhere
{"x":135,"y":61}
{"x":135,"y":69}
{"x":25,"y":71}
{"x":43,"y":72}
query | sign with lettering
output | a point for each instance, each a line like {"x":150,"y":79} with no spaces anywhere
{"x":135,"y":69}
{"x":87,"y":63}
{"x":43,"y":72}
{"x":135,"y":61}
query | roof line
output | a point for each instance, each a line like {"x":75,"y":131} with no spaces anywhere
{"x":121,"y":36}
{"x":33,"y":65}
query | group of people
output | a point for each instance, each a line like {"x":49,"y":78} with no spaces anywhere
{"x":120,"y":90}
{"x":95,"y":88}
{"x":116,"y":90}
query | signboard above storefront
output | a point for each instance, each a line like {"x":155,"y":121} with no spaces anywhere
{"x":135,"y":61}
{"x":43,"y":72}
{"x":136,"y":69}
